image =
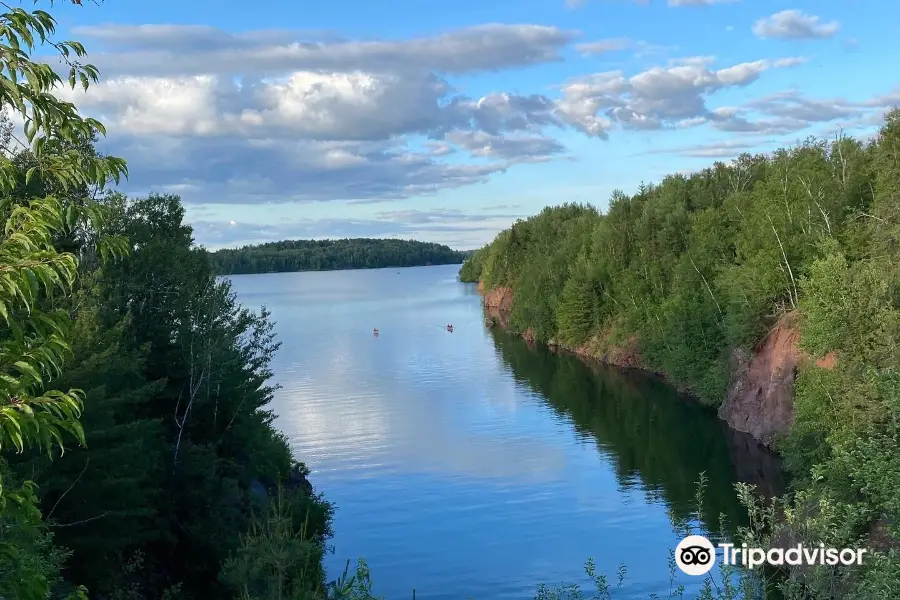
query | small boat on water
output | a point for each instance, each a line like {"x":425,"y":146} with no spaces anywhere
{"x":450,"y":328}
{"x":375,"y":332}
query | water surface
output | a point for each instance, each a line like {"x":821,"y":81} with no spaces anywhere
{"x":469,"y":464}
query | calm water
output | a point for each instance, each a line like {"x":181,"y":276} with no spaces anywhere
{"x":467,"y":464}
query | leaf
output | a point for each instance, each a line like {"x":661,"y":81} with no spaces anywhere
{"x":30,"y":174}
{"x":28,"y":369}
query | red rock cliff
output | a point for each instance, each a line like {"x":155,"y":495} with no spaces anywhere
{"x":497,"y":303}
{"x":760,"y":399}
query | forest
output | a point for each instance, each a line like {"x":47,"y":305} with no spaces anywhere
{"x":700,"y":266}
{"x":332,"y":255}
{"x":138,"y":459}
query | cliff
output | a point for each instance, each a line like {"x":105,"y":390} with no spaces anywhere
{"x":760,"y":395}
{"x":759,"y":400}
{"x":497,"y":303}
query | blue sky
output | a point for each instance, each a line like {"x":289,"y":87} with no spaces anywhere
{"x":447,"y":121}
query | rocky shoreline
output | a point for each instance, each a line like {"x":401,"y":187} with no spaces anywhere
{"x":759,"y":400}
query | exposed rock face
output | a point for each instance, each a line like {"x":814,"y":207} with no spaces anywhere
{"x":497,"y":303}
{"x":760,"y":397}
{"x":500,"y":298}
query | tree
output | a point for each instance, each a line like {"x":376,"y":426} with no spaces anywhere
{"x":577,"y":307}
{"x":321,"y":255}
{"x":36,"y":278}
{"x":31,"y":269}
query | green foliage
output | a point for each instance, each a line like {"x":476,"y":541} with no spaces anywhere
{"x":576,"y":310}
{"x":181,"y":448}
{"x":182,"y":451}
{"x":105,"y":496}
{"x":849,"y":308}
{"x":277,"y":559}
{"x":694,"y":267}
{"x":471,"y":271}
{"x":36,"y":278}
{"x":329,"y":255}
{"x":31,"y":269}
{"x":30,"y":563}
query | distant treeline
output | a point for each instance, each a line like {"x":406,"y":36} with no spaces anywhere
{"x":332,"y":255}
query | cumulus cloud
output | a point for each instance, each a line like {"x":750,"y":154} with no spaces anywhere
{"x":284,"y":116}
{"x":656,"y":98}
{"x":311,"y":105}
{"x":238,"y":170}
{"x":794,"y":25}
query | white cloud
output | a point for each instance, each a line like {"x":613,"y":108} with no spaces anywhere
{"x":486,"y":145}
{"x":261,"y":117}
{"x":791,"y":111}
{"x":655,"y":98}
{"x":156,"y":106}
{"x":183,"y":50}
{"x":793,"y":105}
{"x":794,"y":25}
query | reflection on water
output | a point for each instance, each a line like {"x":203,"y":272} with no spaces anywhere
{"x":467,"y":464}
{"x":654,"y":440}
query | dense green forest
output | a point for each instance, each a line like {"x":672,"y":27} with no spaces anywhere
{"x":139,"y":460}
{"x":332,"y":255}
{"x":699,"y":266}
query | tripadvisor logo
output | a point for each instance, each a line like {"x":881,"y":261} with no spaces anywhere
{"x":696,"y":555}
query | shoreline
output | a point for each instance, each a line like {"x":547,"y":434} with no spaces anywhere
{"x":758,"y":400}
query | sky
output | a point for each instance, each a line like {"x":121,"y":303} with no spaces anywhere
{"x":446,"y":122}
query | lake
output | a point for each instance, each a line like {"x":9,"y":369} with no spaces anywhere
{"x":469,"y":464}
